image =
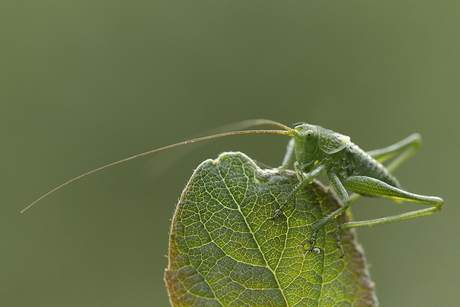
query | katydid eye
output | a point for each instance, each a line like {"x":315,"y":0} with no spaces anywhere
{"x":309,"y":134}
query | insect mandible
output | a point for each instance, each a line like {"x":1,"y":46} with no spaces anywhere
{"x":317,"y":151}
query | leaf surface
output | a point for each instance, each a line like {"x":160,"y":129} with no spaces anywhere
{"x":226,"y":250}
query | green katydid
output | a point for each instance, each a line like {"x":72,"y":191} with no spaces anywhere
{"x":321,"y":151}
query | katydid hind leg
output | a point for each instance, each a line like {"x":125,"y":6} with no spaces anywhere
{"x":401,"y":150}
{"x":390,"y":219}
{"x":372,"y":186}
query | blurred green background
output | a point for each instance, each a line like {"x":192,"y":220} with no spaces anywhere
{"x":85,"y":83}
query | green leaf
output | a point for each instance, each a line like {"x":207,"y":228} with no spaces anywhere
{"x":226,"y":250}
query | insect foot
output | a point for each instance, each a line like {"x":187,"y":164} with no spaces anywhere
{"x":312,"y":241}
{"x":338,"y":240}
{"x":305,"y":251}
{"x":313,"y":248}
{"x":278,"y":212}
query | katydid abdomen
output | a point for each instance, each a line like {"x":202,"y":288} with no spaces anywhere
{"x":353,"y":161}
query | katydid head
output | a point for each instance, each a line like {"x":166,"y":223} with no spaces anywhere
{"x":286,"y":131}
{"x":306,"y":145}
{"x":313,"y":143}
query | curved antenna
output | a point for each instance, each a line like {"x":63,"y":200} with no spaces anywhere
{"x":244,"y":124}
{"x":161,"y":165}
{"x":258,"y":122}
{"x":288,"y":132}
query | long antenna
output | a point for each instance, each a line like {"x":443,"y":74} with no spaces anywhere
{"x":287,"y":131}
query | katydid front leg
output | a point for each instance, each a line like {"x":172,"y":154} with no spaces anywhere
{"x":343,"y":195}
{"x":304,"y":180}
